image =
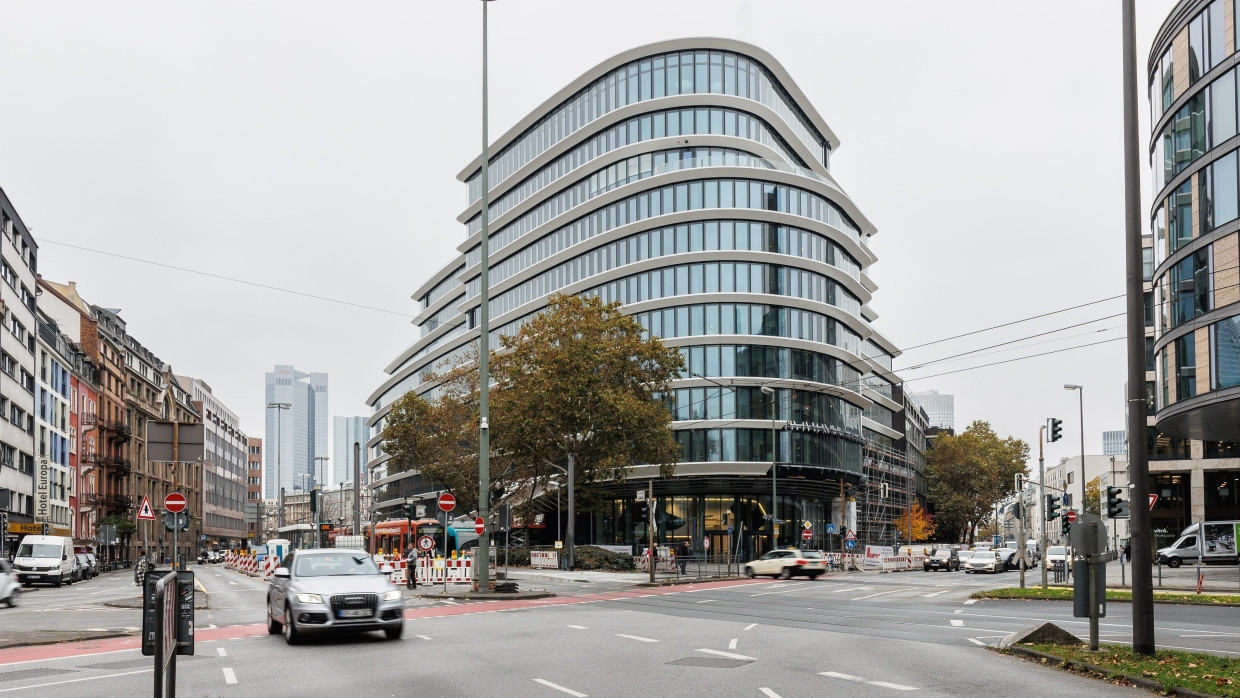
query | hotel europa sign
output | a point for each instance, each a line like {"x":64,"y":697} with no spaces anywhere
{"x":43,"y":490}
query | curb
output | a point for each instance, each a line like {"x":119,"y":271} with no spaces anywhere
{"x":486,"y":595}
{"x":66,"y":640}
{"x":1141,"y":681}
{"x":680,"y":582}
{"x":1156,"y":600}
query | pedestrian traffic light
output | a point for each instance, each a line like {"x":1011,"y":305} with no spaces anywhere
{"x":1056,"y":429}
{"x":1052,"y":507}
{"x":1117,"y":508}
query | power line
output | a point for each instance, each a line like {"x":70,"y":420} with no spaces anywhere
{"x":1011,"y":341}
{"x":227,"y":278}
{"x":1014,"y":322}
{"x":1019,"y":358}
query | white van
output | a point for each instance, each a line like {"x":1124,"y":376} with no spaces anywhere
{"x":46,"y":559}
{"x":1218,"y":544}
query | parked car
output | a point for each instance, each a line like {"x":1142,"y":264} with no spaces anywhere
{"x":325,"y":590}
{"x":985,"y":561}
{"x":45,"y":559}
{"x":94,"y":564}
{"x":10,"y":584}
{"x":788,"y":563}
{"x":944,"y":559}
{"x":85,"y":571}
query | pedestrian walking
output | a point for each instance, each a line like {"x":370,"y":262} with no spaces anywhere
{"x":682,"y":555}
{"x":1127,"y":553}
{"x":411,"y":568}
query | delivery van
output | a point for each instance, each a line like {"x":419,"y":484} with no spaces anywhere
{"x":45,"y":559}
{"x":1212,"y":541}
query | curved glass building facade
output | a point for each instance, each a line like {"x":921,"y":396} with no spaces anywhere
{"x":1193,"y":263}
{"x":690,"y":181}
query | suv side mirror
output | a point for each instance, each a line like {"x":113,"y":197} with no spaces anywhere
{"x":282,"y":572}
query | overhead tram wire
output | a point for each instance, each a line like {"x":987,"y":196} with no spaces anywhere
{"x":1011,"y":341}
{"x":1013,"y":322}
{"x":227,"y":278}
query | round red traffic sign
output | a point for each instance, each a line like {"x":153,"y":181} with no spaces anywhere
{"x":806,"y":534}
{"x":480,"y":526}
{"x":1070,"y":515}
{"x":425,"y":543}
{"x":447,"y":502}
{"x":175,"y":502}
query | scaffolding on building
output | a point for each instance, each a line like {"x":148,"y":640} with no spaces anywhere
{"x":886,"y":492}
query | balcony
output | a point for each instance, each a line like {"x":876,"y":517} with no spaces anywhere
{"x":88,"y":419}
{"x":119,"y":428}
{"x":115,"y":465}
{"x":119,"y":502}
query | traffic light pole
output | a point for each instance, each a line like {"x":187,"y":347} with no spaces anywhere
{"x":1042,"y":497}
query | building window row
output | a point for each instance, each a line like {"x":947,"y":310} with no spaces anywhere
{"x":669,"y":123}
{"x":749,"y":402}
{"x":707,"y":319}
{"x":673,"y":198}
{"x":760,"y":361}
{"x":665,"y":75}
{"x":754,"y":445}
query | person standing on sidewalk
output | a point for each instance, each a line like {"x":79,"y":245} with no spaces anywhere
{"x":682,"y":556}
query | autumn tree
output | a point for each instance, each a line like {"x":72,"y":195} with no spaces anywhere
{"x":969,"y":472}
{"x":580,"y":379}
{"x":1093,"y":496}
{"x":922,"y":523}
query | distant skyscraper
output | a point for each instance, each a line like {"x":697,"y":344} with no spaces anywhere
{"x":296,"y":435}
{"x":940,"y":407}
{"x":345,"y":432}
{"x":1113,"y":443}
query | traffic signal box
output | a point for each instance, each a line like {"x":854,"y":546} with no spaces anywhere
{"x":1117,"y":508}
{"x":1065,"y":527}
{"x":1056,"y":429}
{"x":1052,"y":507}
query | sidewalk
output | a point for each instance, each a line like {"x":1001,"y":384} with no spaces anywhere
{"x":1223,"y":579}
{"x":583,"y":576}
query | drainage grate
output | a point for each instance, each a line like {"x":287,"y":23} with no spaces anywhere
{"x":711,"y":663}
{"x":32,"y":674}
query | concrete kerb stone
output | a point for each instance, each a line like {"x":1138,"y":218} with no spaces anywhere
{"x":1140,"y":681}
{"x":469,"y":594}
{"x":28,"y":638}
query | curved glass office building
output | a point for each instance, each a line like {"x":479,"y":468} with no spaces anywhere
{"x":688,"y":180}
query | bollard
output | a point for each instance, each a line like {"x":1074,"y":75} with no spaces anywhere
{"x":1160,"y":573}
{"x":1200,"y":578}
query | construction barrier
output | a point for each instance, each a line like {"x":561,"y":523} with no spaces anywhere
{"x":545,"y":559}
{"x":844,"y":561}
{"x":665,"y":562}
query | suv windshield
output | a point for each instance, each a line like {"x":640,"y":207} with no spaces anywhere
{"x":333,"y":565}
{"x":1056,"y":550}
{"x":941,"y":554}
{"x":38,"y":550}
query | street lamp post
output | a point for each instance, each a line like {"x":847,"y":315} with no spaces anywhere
{"x":774,"y":467}
{"x":279,"y":407}
{"x":1081,"y":395}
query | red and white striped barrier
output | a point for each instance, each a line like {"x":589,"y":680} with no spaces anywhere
{"x":545,"y":559}
{"x":269,"y":567}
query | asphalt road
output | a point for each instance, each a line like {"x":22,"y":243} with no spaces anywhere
{"x":864,"y":634}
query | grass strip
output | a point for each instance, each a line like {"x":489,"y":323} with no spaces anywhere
{"x":1065,"y":594}
{"x":1197,"y":672}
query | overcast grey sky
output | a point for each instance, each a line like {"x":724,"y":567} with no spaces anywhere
{"x":314,"y":146}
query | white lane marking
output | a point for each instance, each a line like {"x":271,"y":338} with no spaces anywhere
{"x":230,"y":676}
{"x":732,"y":644}
{"x":970,"y":602}
{"x":958,"y":611}
{"x":231,"y":582}
{"x":784,"y":591}
{"x":858,"y":679}
{"x":976,"y":641}
{"x":86,"y":678}
{"x":751,"y":625}
{"x":104,"y":630}
{"x":769,"y":693}
{"x":636,"y":637}
{"x":870,"y":596}
{"x":836,"y":591}
{"x":422,"y":637}
{"x":705,"y":601}
{"x":957,"y":623}
{"x":578,"y":627}
{"x":557,"y":687}
{"x":729,"y":655}
{"x":221,"y":651}
{"x":1206,"y":633}
{"x":931,"y":596}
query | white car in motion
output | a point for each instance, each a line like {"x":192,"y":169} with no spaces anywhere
{"x":985,"y":561}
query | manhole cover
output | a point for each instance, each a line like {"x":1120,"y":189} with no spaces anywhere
{"x":711,"y":663}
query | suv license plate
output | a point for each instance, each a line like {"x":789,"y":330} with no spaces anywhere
{"x":356,"y":613}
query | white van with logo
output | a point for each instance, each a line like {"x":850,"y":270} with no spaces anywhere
{"x":1212,"y":541}
{"x":45,"y":559}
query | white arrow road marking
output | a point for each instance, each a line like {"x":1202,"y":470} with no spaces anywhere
{"x":557,"y":687}
{"x":769,"y":693}
{"x":957,"y":623}
{"x":230,"y":676}
{"x":635,"y":637}
{"x":858,"y":679}
{"x":729,"y":655}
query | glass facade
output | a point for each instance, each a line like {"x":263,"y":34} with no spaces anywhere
{"x":767,"y":257}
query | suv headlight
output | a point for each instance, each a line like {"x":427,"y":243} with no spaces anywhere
{"x":393,"y":595}
{"x":310,"y":598}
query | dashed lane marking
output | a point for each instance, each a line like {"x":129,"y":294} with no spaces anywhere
{"x":934,"y":594}
{"x":893,"y":591}
{"x":858,"y":679}
{"x":970,"y":602}
{"x":560,"y":688}
{"x":85,"y":678}
{"x":750,"y":626}
{"x":836,"y":591}
{"x":578,"y":627}
{"x":769,"y":693}
{"x":422,"y":637}
{"x":230,"y":676}
{"x":732,"y":644}
{"x":976,"y":641}
{"x":221,"y":651}
{"x":957,"y":623}
{"x":636,"y":637}
{"x":705,"y":601}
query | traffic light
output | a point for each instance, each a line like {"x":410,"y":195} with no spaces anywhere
{"x":1117,"y":508}
{"x":1065,"y":527}
{"x":1056,"y":429}
{"x":641,"y":510}
{"x":407,"y":508}
{"x":1052,"y":507}
{"x":314,"y":500}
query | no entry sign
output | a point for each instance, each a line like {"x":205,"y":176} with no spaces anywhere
{"x":480,"y":526}
{"x":806,"y":534}
{"x":447,"y":502}
{"x":1070,"y":515}
{"x":175,"y":502}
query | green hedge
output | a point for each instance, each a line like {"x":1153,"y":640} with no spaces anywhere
{"x":589,"y":557}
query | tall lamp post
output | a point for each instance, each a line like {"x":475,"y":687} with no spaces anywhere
{"x":1080,"y":391}
{"x":279,"y":407}
{"x":774,"y":467}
